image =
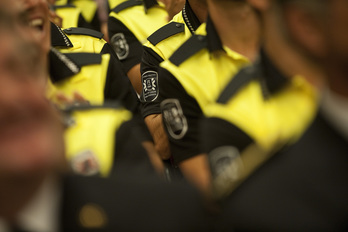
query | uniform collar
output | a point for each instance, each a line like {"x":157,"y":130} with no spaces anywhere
{"x":274,"y":79}
{"x":59,"y":38}
{"x":61,"y":67}
{"x":213,"y":38}
{"x":149,"y":3}
{"x":190,"y":18}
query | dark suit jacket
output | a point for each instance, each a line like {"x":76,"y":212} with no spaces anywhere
{"x":302,"y":188}
{"x":131,"y":203}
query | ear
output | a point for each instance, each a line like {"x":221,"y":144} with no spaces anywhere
{"x":261,"y":5}
{"x":306,"y":31}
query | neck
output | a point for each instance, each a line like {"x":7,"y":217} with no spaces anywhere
{"x":200,"y":8}
{"x":337,"y":78}
{"x":290,"y":61}
{"x":16,"y":193}
{"x":238,"y":28}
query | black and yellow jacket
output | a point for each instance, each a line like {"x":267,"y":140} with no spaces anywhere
{"x":188,"y":81}
{"x":100,"y":139}
{"x":161,"y":45}
{"x":71,"y":16}
{"x":87,"y":10}
{"x":129,"y":25}
{"x":80,"y":60}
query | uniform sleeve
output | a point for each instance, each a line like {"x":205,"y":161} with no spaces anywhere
{"x":127,"y":47}
{"x":216,"y":132}
{"x":181,"y":114}
{"x":149,"y":69}
{"x":118,"y":86}
{"x":128,"y":146}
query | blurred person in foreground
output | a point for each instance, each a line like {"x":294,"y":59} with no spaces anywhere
{"x":302,"y":187}
{"x":35,"y":196}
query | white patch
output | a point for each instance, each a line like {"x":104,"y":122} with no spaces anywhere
{"x":174,"y":118}
{"x":150,"y":86}
{"x":85,"y":163}
{"x":225,"y":162}
{"x":120,"y":45}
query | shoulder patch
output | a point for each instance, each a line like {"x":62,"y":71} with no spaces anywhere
{"x":127,"y":4}
{"x":150,"y":91}
{"x":83,"y":59}
{"x":83,"y":31}
{"x":165,"y":32}
{"x":193,"y":45}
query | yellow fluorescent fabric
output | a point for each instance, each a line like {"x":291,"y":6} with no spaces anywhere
{"x":134,"y":18}
{"x":85,"y":82}
{"x":101,"y":125}
{"x":166,"y":47}
{"x":282,"y":117}
{"x":205,"y":84}
{"x":70,"y":16}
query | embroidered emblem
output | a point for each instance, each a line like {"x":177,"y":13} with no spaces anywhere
{"x":150,"y":86}
{"x":120,"y":45}
{"x":174,"y":118}
{"x":85,"y":163}
{"x":226,"y":164}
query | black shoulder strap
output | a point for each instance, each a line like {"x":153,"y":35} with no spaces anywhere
{"x":63,"y":6}
{"x":85,"y":107}
{"x":83,"y":59}
{"x":83,"y":31}
{"x":127,"y":4}
{"x":166,"y":31}
{"x":193,"y":45}
{"x":243,"y":77}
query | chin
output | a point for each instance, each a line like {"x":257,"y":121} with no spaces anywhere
{"x":38,"y":154}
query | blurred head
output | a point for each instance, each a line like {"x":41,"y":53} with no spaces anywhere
{"x":30,"y":132}
{"x":35,"y":14}
{"x":319,"y":27}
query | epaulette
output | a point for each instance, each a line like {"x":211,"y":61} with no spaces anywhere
{"x":63,"y":6}
{"x":84,"y":107}
{"x":165,"y":32}
{"x":127,"y":4}
{"x":193,"y":45}
{"x":83,"y":31}
{"x":83,"y":59}
{"x":243,"y":77}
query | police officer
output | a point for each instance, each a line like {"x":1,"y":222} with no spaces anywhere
{"x":302,"y":187}
{"x":127,"y":33}
{"x":161,"y":44}
{"x":97,"y":76}
{"x":194,"y":75}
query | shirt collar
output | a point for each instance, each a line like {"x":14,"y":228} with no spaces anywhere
{"x":213,"y":38}
{"x":335,"y":109}
{"x":190,"y":18}
{"x":149,"y":3}
{"x":59,"y":38}
{"x":42,"y":213}
{"x":273,"y":78}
